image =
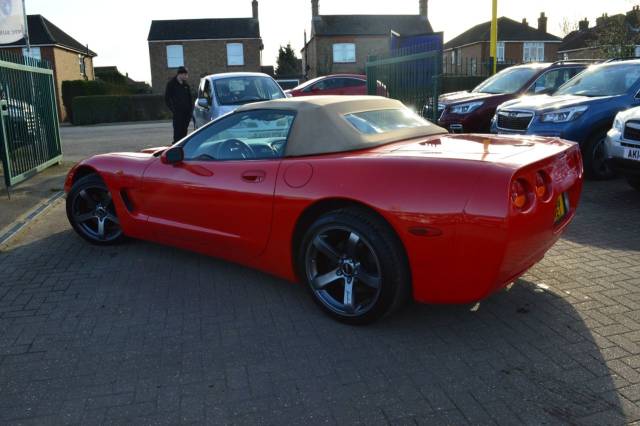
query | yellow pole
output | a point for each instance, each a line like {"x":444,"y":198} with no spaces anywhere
{"x":493,"y":47}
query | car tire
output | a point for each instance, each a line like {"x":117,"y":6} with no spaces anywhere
{"x":354,"y":266}
{"x":594,"y":157}
{"x":91,"y":211}
{"x":634,"y":182}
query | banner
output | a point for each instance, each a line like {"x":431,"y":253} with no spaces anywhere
{"x":11,"y":21}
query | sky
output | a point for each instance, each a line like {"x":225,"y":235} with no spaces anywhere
{"x":117,"y":29}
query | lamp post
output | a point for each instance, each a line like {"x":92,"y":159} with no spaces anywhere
{"x":493,"y":46}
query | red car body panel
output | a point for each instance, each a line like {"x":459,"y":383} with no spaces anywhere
{"x":446,"y":197}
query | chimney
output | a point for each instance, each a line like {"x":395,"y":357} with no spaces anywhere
{"x":602,"y":20}
{"x":254,"y":8}
{"x":583,"y":25}
{"x":524,"y":21}
{"x":315,"y":8}
{"x":542,"y":22}
{"x":424,"y":8}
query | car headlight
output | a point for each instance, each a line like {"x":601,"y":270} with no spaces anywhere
{"x":618,"y":124}
{"x":563,"y":115}
{"x":465,"y":108}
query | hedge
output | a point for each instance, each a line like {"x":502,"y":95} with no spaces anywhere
{"x":74,"y":88}
{"x":116,"y":108}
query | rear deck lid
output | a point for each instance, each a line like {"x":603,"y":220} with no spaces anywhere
{"x":502,"y":149}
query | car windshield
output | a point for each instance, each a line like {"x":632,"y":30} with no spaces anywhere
{"x":507,"y":81}
{"x":385,"y":120}
{"x":605,"y":80}
{"x":246,"y":89}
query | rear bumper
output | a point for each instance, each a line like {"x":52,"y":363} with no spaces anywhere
{"x":492,"y":251}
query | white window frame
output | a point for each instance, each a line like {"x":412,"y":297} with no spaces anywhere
{"x":500,"y":52}
{"x":533,"y":51}
{"x":344,"y":53}
{"x":636,"y":50}
{"x":235,"y":54}
{"x":35,"y":53}
{"x":175,"y":56}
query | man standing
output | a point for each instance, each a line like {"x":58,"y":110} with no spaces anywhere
{"x":179,"y":101}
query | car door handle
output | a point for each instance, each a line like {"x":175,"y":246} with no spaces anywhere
{"x":254,"y":176}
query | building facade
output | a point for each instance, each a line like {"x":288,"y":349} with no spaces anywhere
{"x":342,"y":43}
{"x":204,"y":46}
{"x":69,"y":59}
{"x":517,"y":43}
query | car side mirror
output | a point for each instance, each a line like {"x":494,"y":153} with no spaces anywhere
{"x":173,"y":155}
{"x":203,"y":102}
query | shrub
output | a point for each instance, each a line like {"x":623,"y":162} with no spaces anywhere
{"x":116,"y":108}
{"x":74,"y":88}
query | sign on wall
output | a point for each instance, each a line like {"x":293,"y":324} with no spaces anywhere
{"x":11,"y":21}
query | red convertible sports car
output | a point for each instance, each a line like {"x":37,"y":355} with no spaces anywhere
{"x":365,"y":202}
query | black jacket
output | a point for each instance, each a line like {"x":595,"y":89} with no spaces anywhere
{"x":178,"y":97}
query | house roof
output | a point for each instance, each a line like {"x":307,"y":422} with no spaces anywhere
{"x":43,"y":33}
{"x":204,"y":29}
{"x":589,"y":37}
{"x":508,"y":30}
{"x":336,"y":25}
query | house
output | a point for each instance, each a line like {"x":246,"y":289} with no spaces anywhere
{"x":204,"y":46}
{"x":616,"y":35}
{"x":69,"y":59}
{"x":342,"y":43}
{"x":517,"y":42}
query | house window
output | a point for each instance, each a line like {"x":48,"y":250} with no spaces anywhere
{"x":35,"y":53}
{"x":175,"y":56}
{"x":235,"y":54}
{"x":533,"y":52}
{"x":83,"y":68}
{"x":636,"y":51}
{"x":344,"y":53}
{"x":500,"y":52}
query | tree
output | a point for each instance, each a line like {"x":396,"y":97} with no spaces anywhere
{"x":288,"y":65}
{"x":567,"y":27}
{"x":614,"y":38}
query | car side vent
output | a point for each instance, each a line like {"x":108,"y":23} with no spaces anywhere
{"x":127,"y":201}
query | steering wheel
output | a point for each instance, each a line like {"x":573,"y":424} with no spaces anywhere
{"x":234,"y":149}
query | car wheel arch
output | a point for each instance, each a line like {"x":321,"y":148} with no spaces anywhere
{"x":83,"y":171}
{"x":321,"y":207}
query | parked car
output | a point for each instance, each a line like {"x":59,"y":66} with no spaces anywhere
{"x":287,"y":84}
{"x":582,"y":110}
{"x":336,"y":84}
{"x":219,"y":94}
{"x":622,"y":146}
{"x":472,"y":111}
{"x":360,"y":198}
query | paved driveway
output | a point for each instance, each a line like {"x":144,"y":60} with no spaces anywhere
{"x":146,"y":334}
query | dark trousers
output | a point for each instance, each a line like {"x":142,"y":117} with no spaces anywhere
{"x":180,"y":125}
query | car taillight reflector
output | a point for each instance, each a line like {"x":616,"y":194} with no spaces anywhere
{"x":518,"y":194}
{"x":542,"y":185}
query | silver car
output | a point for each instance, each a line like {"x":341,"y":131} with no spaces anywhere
{"x":220,"y":94}
{"x":623,"y":146}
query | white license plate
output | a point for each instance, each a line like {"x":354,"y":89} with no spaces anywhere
{"x":632,"y":154}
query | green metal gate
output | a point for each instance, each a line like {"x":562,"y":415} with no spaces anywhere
{"x":29,"y":132}
{"x":411,"y":75}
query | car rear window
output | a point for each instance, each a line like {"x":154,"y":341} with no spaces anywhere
{"x":385,"y":120}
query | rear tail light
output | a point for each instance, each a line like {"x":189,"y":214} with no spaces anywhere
{"x":542,"y":188}
{"x":520,"y":198}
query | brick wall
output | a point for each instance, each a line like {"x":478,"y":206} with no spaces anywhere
{"x":66,"y":66}
{"x":320,"y":53}
{"x":202,"y":58}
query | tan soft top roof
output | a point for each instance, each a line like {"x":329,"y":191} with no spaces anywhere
{"x":320,"y":126}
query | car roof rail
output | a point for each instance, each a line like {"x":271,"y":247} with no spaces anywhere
{"x":627,"y":58}
{"x":577,"y":61}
